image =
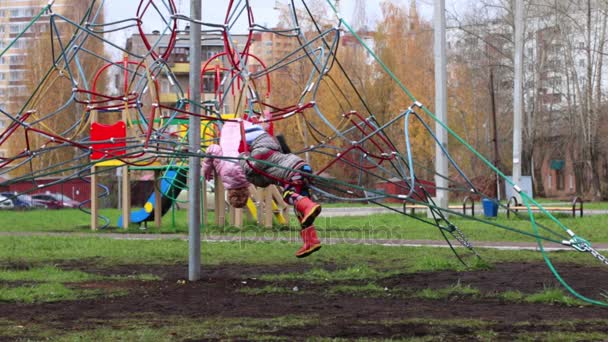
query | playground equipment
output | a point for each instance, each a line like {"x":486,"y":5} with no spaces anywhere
{"x":166,"y":189}
{"x":323,"y":110}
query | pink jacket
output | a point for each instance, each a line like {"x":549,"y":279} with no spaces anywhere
{"x":230,"y":172}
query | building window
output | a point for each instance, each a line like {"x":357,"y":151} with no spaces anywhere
{"x":571,"y":182}
{"x":549,"y":182}
{"x":554,"y":64}
{"x":165,"y":86}
{"x":209,"y":84}
{"x":555,"y":82}
{"x":17,"y":59}
{"x":15,"y":28}
{"x":16,"y":75}
{"x":21,"y":12}
{"x":16,"y":91}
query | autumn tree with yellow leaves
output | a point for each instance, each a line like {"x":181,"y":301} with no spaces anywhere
{"x":51,"y":70}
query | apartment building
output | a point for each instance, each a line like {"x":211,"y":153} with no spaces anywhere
{"x":179,"y":62}
{"x":15,"y":16}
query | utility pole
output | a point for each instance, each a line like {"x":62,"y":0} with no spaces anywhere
{"x":518,"y":63}
{"x":194,"y":142}
{"x":441,"y":107}
{"x":495,"y":133}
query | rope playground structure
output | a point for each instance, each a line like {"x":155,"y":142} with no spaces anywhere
{"x":323,"y":110}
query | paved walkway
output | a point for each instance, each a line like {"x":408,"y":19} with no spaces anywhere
{"x":501,"y":245}
{"x":372,"y":209}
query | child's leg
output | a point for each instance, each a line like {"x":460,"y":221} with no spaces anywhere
{"x":297,"y":186}
{"x":297,"y":193}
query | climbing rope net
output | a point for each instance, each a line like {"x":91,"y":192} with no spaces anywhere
{"x":307,"y":89}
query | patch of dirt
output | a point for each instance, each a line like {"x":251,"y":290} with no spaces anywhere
{"x":342,"y":315}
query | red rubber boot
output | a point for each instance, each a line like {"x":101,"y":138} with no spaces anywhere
{"x":311,"y":242}
{"x":307,"y":211}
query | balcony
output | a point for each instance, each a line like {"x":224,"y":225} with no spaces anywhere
{"x":180,"y":68}
{"x":168,"y":98}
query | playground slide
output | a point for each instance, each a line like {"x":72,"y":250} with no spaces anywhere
{"x":171,"y":185}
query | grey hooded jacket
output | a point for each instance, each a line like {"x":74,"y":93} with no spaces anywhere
{"x":267,"y":151}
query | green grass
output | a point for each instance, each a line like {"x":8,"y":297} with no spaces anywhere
{"x":547,"y":296}
{"x":318,"y":275}
{"x":510,"y":296}
{"x":360,"y":228}
{"x":52,"y":273}
{"x":169,"y":328}
{"x":44,"y":292}
{"x":268,"y":289}
{"x":367,"y":290}
{"x":46,"y":274}
{"x":456,"y":290}
{"x":104,"y":251}
{"x":50,"y":283}
{"x":553,"y":296}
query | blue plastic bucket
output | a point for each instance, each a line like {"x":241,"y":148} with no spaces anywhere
{"x":490,"y":208}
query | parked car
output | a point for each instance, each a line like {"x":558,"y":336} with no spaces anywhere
{"x":65,"y":201}
{"x":46,"y":201}
{"x":18,"y":201}
{"x":6,"y":203}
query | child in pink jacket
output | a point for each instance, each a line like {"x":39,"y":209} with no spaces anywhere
{"x":291,"y":172}
{"x":230,"y":172}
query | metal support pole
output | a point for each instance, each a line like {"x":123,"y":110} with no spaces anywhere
{"x":495,"y":134}
{"x":441,"y":107}
{"x":518,"y":63}
{"x":194,"y":141}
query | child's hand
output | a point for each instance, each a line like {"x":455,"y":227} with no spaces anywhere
{"x":207,"y":169}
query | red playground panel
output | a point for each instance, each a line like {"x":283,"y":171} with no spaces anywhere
{"x":104,"y":133}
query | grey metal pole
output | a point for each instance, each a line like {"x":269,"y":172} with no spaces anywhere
{"x":441,"y":107}
{"x":194,"y":141}
{"x":518,"y":63}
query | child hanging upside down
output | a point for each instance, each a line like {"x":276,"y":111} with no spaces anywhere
{"x":230,"y":173}
{"x":271,"y":166}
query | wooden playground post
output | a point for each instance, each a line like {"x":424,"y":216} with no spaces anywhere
{"x":257,"y":201}
{"x":126,"y":197}
{"x":94,"y":202}
{"x":220,"y":203}
{"x":267,"y":214}
{"x":126,"y":183}
{"x":282,"y":207}
{"x":236,"y":217}
{"x":158,"y":209}
{"x":205,"y":204}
